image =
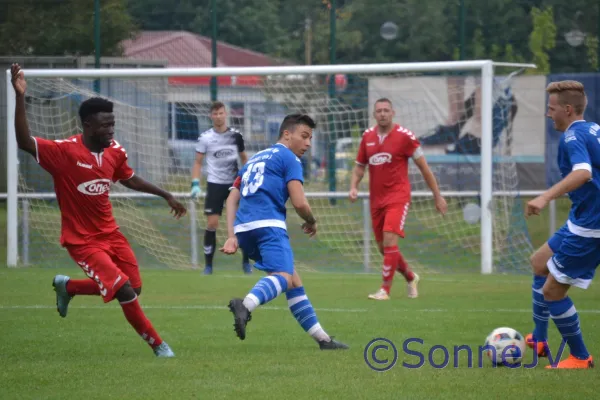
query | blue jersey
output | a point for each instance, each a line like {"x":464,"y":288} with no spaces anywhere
{"x":579,"y":148}
{"x":263,"y":188}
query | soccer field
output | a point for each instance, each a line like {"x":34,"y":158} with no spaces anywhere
{"x":94,"y":353}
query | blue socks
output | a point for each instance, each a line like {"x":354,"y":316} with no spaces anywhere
{"x":264,"y":291}
{"x":565,"y":317}
{"x":305,"y":314}
{"x":540,"y":309}
{"x":272,"y":286}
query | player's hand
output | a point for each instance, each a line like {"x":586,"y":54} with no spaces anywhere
{"x":18,"y":81}
{"x":177,"y":209}
{"x":441,"y":205}
{"x":195,"y":189}
{"x":536,"y":205}
{"x":309,"y":229}
{"x":353,"y":195}
{"x":230,"y":246}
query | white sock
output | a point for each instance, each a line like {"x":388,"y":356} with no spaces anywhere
{"x":251,"y":302}
{"x":318,"y":333}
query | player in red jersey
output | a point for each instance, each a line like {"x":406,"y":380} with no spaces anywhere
{"x":83,"y":168}
{"x":386,"y":148}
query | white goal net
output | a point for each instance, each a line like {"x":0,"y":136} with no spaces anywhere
{"x":159,"y":118}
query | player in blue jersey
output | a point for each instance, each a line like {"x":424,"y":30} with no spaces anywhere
{"x":256,"y":222}
{"x":571,"y":255}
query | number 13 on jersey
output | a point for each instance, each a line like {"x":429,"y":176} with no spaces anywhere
{"x":253,"y":178}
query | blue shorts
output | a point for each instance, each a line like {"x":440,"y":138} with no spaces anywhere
{"x":575,"y":258}
{"x":270,"y":249}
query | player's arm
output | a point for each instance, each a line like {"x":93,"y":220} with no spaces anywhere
{"x":421,"y":163}
{"x":358,"y":172}
{"x":571,"y":182}
{"x":24,"y":139}
{"x":232,"y":203}
{"x":233,"y":200}
{"x":580,"y":174}
{"x":241,"y":148}
{"x":196,"y":173}
{"x":141,"y":185}
{"x":201,"y":149}
{"x":243,"y":157}
{"x":300,"y":203}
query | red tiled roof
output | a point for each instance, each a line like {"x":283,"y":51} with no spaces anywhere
{"x":186,"y":49}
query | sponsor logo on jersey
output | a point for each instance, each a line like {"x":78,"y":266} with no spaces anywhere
{"x":80,"y":164}
{"x":95,"y":187}
{"x":380,"y":158}
{"x":224,"y":153}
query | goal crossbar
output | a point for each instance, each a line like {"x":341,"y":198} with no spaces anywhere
{"x":278,"y":70}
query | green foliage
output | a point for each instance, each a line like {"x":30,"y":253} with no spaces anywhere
{"x":542,"y":38}
{"x":54,"y":28}
{"x":427,"y":30}
{"x":478,"y":45}
{"x":591,"y":45}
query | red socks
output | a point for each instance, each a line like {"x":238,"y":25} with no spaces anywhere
{"x":404,"y":269}
{"x":390,"y":260}
{"x":393,"y":257}
{"x":82,"y":287}
{"x":136,"y":317}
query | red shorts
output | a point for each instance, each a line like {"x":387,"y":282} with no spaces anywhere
{"x":390,"y":218}
{"x":110,"y":262}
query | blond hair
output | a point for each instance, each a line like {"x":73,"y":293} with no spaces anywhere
{"x":569,"y":93}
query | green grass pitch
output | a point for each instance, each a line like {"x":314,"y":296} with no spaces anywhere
{"x":94,"y":353}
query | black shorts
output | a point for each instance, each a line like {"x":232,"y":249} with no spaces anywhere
{"x":216,"y":194}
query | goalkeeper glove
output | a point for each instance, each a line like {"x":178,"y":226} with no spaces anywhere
{"x":195,"y":188}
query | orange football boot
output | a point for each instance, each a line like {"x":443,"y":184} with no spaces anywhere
{"x":574,"y":363}
{"x":541,"y":346}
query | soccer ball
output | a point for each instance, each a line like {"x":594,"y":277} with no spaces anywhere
{"x":505,"y":346}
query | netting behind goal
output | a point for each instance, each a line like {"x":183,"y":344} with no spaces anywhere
{"x":158,"y":121}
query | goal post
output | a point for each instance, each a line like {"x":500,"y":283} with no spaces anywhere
{"x":148,"y":110}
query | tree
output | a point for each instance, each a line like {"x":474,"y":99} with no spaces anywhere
{"x":569,"y":15}
{"x":542,"y":39}
{"x":53,"y":28}
{"x":591,"y":45}
{"x":156,"y":15}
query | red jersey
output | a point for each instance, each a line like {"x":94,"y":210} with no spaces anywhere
{"x":82,"y":180}
{"x":387,"y":158}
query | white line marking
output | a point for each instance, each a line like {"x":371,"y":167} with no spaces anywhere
{"x":344,"y":310}
{"x":184,"y":307}
{"x":329,"y":275}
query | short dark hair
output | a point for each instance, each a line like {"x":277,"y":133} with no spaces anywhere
{"x":94,"y":106}
{"x":216,"y":105}
{"x":292,"y":120}
{"x":383,"y":100}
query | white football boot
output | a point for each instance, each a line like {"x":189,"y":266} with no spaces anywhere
{"x":379,"y":295}
{"x":411,"y":287}
{"x":163,"y":350}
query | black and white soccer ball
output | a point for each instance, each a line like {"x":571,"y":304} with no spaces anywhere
{"x":505,"y":346}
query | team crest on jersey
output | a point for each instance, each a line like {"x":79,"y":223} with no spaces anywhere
{"x":380,"y":158}
{"x":570,"y":135}
{"x":95,"y":187}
